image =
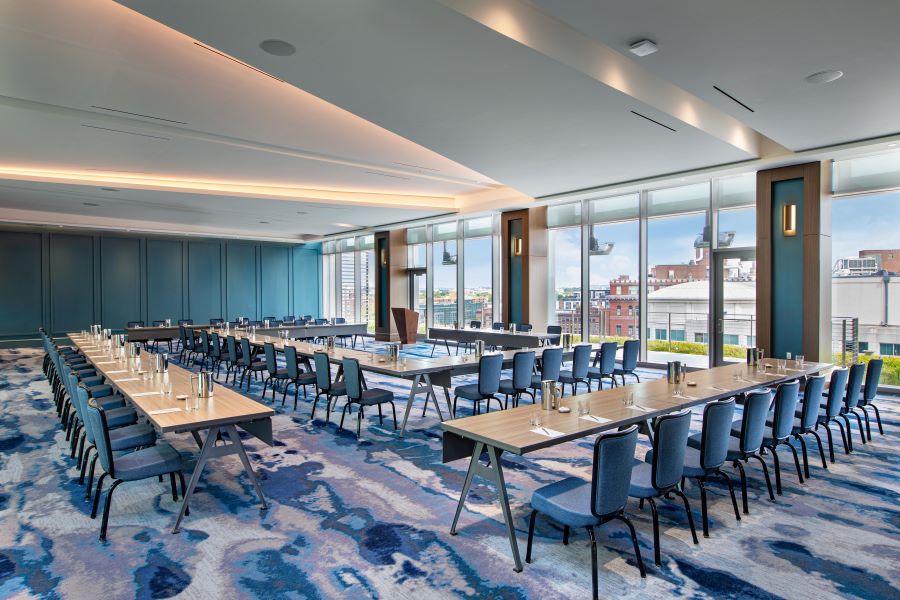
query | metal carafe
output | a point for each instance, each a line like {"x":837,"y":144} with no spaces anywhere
{"x":548,"y":395}
{"x":134,"y":350}
{"x":674,"y":371}
{"x":752,"y":356}
{"x":479,"y":348}
{"x":202,"y":384}
{"x":161,"y":363}
{"x":512,"y":327}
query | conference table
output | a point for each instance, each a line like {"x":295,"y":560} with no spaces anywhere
{"x":491,"y":337}
{"x":157,"y":333}
{"x":219,"y":416}
{"x":511,"y":430}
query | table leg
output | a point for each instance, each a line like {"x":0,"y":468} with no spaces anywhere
{"x":409,"y":402}
{"x":433,"y":396}
{"x":493,"y":472}
{"x":231,"y":432}
{"x":208,"y":445}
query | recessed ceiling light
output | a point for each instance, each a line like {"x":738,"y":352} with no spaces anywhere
{"x":892,"y":144}
{"x":643,"y":47}
{"x":109,"y":189}
{"x":344,"y":225}
{"x":278,"y":47}
{"x":91,"y":204}
{"x":264,"y":222}
{"x":824,"y":76}
{"x":302,"y":212}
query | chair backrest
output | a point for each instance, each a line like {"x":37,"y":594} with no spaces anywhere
{"x":182,"y":335}
{"x":613,"y":461}
{"x":246,"y":352}
{"x":498,"y":325}
{"x":101,"y":437}
{"x":271,"y":362}
{"x":231,"y":344}
{"x":302,"y":321}
{"x":135,"y":324}
{"x":836,"y":388}
{"x":321,"y":321}
{"x":290,"y":359}
{"x":287,"y":318}
{"x":854,"y":385}
{"x":523,"y":327}
{"x":323,"y":371}
{"x":753,"y":422}
{"x":158,"y":323}
{"x":555,"y":332}
{"x":339,"y":320}
{"x":352,"y":378}
{"x":185,"y":321}
{"x":216,"y":321}
{"x":785,"y":405}
{"x":551,"y":363}
{"x":717,"y":418}
{"x":873,"y":377}
{"x":523,"y":367}
{"x":475,"y":324}
{"x":581,"y":360}
{"x":268,"y":318}
{"x":630,"y":354}
{"x":608,"y":357}
{"x":216,"y":350}
{"x":489,"y":368}
{"x":669,"y":447}
{"x":80,"y":400}
{"x":307,"y":317}
{"x":812,"y":400}
{"x":189,"y":341}
{"x":204,"y":342}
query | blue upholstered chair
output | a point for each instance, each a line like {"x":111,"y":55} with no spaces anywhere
{"x":215,"y":353}
{"x":706,"y":462}
{"x":630,"y":351}
{"x":851,"y":401}
{"x":604,"y":365}
{"x":275,"y":374}
{"x":870,"y":391}
{"x":230,"y":357}
{"x":489,"y":368}
{"x":781,"y":427}
{"x":248,"y":365}
{"x":216,"y":321}
{"x":498,"y":326}
{"x":746,"y":440}
{"x":134,"y":324}
{"x":551,"y":363}
{"x":155,"y":461}
{"x":288,"y":319}
{"x":806,"y":418}
{"x":324,"y":385}
{"x":321,"y":321}
{"x":523,"y":367}
{"x":555,"y":332}
{"x":581,"y":361}
{"x":831,"y":409}
{"x":343,"y":337}
{"x":574,"y":502}
{"x":295,"y":376}
{"x":523,"y":327}
{"x":185,"y":321}
{"x":202,"y":348}
{"x":660,"y":478}
{"x":363,"y":397}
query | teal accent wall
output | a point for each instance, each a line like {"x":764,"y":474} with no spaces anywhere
{"x":516,"y":267}
{"x":65,"y":282}
{"x":787,"y":271}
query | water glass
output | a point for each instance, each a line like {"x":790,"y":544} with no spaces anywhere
{"x":800,"y":360}
{"x":584,"y":407}
{"x":782,"y":365}
{"x":537,"y":419}
{"x":628,"y":398}
{"x":165,"y":385}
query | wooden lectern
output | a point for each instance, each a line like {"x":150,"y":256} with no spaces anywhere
{"x":407,"y":324}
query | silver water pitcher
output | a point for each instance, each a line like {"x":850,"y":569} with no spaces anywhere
{"x":548,"y":395}
{"x":479,"y":348}
{"x":134,"y":349}
{"x":752,"y":356}
{"x":161,"y":363}
{"x":202,"y":384}
{"x":674,"y":371}
{"x":329,"y":342}
{"x":512,"y":327}
{"x":393,"y":351}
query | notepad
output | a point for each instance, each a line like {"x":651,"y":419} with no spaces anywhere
{"x":638,"y":408}
{"x":163,"y":411}
{"x":139,"y":394}
{"x":114,"y":372}
{"x":594,"y":419}
{"x":721,"y":389}
{"x":552,"y":433}
{"x":105,"y":362}
{"x":127,"y":379}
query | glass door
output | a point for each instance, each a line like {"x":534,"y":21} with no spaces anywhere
{"x":418,"y":296}
{"x":734,"y":305}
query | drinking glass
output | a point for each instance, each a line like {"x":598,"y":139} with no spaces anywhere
{"x":584,"y":407}
{"x":628,"y":398}
{"x":787,"y":356}
{"x":536,"y":417}
{"x":165,"y":385}
{"x":800,"y":360}
{"x":782,"y":365}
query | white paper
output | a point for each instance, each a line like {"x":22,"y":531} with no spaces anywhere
{"x":721,"y":389}
{"x":163,"y":411}
{"x":547,"y":432}
{"x":106,"y":362}
{"x":638,"y":408}
{"x":114,"y":372}
{"x":594,"y":419}
{"x":139,"y":394}
{"x":127,"y":379}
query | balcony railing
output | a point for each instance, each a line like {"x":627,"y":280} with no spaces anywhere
{"x":845,"y":339}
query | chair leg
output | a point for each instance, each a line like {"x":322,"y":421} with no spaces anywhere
{"x":777,"y":464}
{"x":830,"y":442}
{"x":90,"y":481}
{"x":687,"y":510}
{"x":565,"y":535}
{"x":594,"y":583}
{"x":343,"y":414}
{"x":765,"y":470}
{"x":849,"y":440}
{"x":380,"y":417}
{"x":174,"y":489}
{"x":394,"y":410}
{"x":821,"y":448}
{"x":703,"y":512}
{"x":106,"y":507}
{"x":734,"y":504}
{"x":531,"y":521}
{"x":634,"y":541}
{"x":84,"y":462}
{"x":744,"y":502}
{"x":877,"y":418}
{"x":862,"y":434}
{"x":96,"y":504}
{"x":805,"y":457}
{"x":656,"y":554}
{"x":868,"y":428}
{"x":796,"y":460}
{"x":359,"y":418}
{"x":848,"y":443}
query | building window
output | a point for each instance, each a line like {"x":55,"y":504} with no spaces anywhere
{"x":631,"y":331}
{"x":618,"y":310}
{"x":890,"y":349}
{"x":731,"y":339}
{"x":678,"y":335}
{"x":565,"y":266}
{"x":864,"y":346}
{"x":701,"y":338}
{"x":630,"y":311}
{"x":660,"y":334}
{"x":619,"y":330}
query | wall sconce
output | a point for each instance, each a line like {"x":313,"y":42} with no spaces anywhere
{"x":384,"y":257}
{"x":789,"y":220}
{"x":516,"y":246}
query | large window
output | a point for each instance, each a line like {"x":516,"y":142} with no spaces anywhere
{"x":348,"y":290}
{"x":678,"y":263}
{"x":564,"y":269}
{"x":367,"y":267}
{"x":443,"y":270}
{"x":478,"y":272}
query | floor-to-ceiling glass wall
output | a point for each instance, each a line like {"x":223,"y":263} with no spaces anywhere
{"x":417,"y":261}
{"x":367,"y":281}
{"x":613,"y":260}
{"x":347,"y":278}
{"x":478,"y":274}
{"x":865,"y":279}
{"x":564,"y":264}
{"x":444,"y":298}
{"x":678,"y":262}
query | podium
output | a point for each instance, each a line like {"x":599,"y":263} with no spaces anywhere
{"x":407,"y":324}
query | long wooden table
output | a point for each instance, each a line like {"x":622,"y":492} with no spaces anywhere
{"x":511,"y":431}
{"x":219,"y":417}
{"x":491,"y":337}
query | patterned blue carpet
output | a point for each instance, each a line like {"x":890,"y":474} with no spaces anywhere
{"x":371,"y":519}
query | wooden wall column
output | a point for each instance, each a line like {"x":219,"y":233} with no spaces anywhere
{"x":391,"y":282}
{"x":522,"y":301}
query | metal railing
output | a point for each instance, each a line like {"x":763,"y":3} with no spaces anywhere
{"x":845,"y":339}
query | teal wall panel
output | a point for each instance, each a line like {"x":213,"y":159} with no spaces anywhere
{"x":165,"y":280}
{"x":67,"y":282}
{"x":120,"y":281}
{"x":787,"y":271}
{"x":516,"y":276}
{"x":307,"y":280}
{"x":240,"y":280}
{"x":71,"y":283}
{"x":21,"y":299}
{"x":275,"y":274}
{"x":205,"y":281}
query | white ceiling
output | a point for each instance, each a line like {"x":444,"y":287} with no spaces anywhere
{"x":400,"y":109}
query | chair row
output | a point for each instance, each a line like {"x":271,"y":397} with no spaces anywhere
{"x":285,"y":320}
{"x":770,"y":419}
